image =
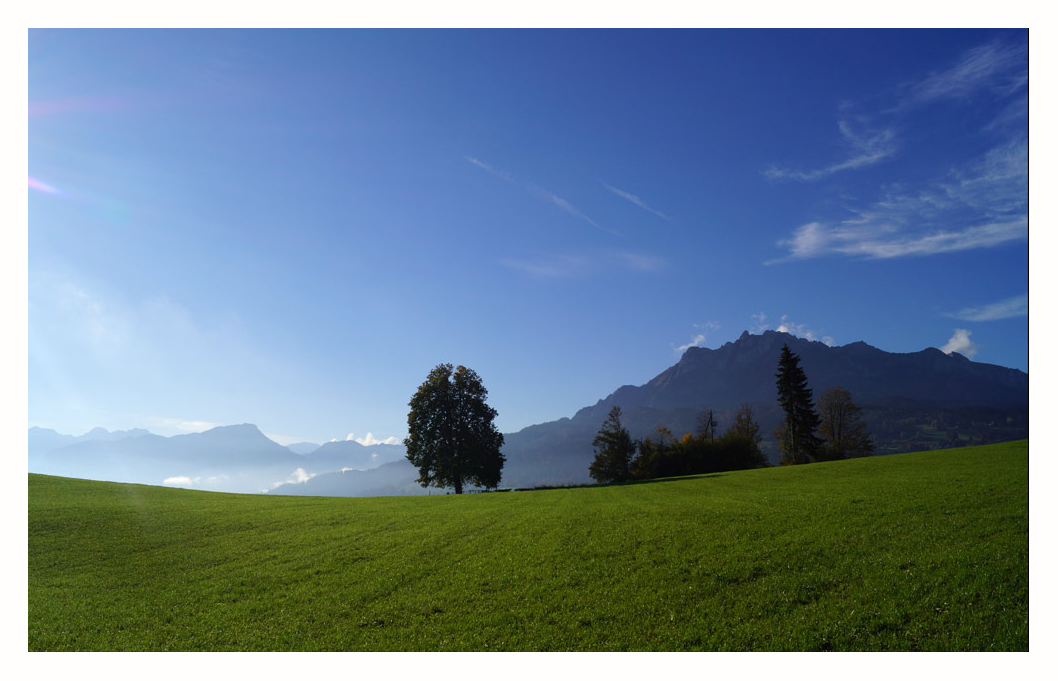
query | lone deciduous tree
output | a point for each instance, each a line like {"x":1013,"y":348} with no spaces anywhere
{"x":614,"y":450}
{"x":842,"y":426}
{"x":796,"y":434}
{"x":451,"y":436}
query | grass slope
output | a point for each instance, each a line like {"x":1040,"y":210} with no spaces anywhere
{"x":905,"y":552}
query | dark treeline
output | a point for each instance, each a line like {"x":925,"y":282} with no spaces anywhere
{"x":619,"y":457}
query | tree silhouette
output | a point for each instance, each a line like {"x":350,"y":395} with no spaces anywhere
{"x":614,"y":449}
{"x":451,"y":436}
{"x":796,"y":434}
{"x":842,"y":426}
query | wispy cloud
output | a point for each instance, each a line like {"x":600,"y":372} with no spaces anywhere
{"x":866,"y":148}
{"x":882,"y":241}
{"x":637,"y":201}
{"x":1018,"y":306}
{"x":997,"y":68}
{"x":539,"y":192}
{"x":960,"y":342}
{"x":994,"y":66}
{"x":981,"y":205}
{"x":563,"y":266}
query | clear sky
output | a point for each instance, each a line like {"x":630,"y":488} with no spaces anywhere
{"x":291,"y":228}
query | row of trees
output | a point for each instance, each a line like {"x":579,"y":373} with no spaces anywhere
{"x":618,"y":457}
{"x":452,"y":439}
{"x":836,"y":431}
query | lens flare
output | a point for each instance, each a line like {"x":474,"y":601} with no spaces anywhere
{"x":42,"y":186}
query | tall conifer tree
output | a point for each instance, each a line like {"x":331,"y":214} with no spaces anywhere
{"x":797,"y":438}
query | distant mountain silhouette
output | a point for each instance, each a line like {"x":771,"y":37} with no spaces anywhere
{"x":905,"y":389}
{"x":236,"y":458}
{"x":333,"y":456}
{"x":303,"y":447}
{"x":43,"y":440}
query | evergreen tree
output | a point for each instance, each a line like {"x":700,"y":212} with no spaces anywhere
{"x":842,"y":426}
{"x":614,"y":449}
{"x":451,"y":436}
{"x":796,"y":435}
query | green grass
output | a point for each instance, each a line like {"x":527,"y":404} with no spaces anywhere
{"x":925,"y":551}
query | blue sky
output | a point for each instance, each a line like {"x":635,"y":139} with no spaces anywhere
{"x":291,"y":228}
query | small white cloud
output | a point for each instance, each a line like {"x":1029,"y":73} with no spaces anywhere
{"x":1018,"y":306}
{"x":179,"y":480}
{"x":370,"y":439}
{"x":296,"y":478}
{"x":762,"y":321}
{"x":700,"y":337}
{"x":695,"y":342}
{"x":960,"y":343}
{"x":802,"y":331}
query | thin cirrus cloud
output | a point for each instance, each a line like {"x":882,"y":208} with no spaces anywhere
{"x":866,"y":149}
{"x":637,"y":201}
{"x":1018,"y":306}
{"x":565,"y":266}
{"x":539,"y":192}
{"x":993,"y":66}
{"x":979,"y":206}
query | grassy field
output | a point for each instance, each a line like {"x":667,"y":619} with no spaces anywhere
{"x":925,"y":551}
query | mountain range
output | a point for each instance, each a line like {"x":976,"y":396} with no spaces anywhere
{"x":237,"y":458}
{"x":919,"y":400}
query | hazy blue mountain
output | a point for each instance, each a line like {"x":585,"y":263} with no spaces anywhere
{"x":303,"y":447}
{"x":903,"y":395}
{"x":228,"y":458}
{"x":334,"y":456}
{"x":396,"y":478}
{"x":43,"y":440}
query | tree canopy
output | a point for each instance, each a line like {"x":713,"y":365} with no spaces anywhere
{"x":451,"y":436}
{"x":842,"y":426}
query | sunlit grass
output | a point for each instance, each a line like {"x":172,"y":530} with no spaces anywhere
{"x":924,"y":551}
